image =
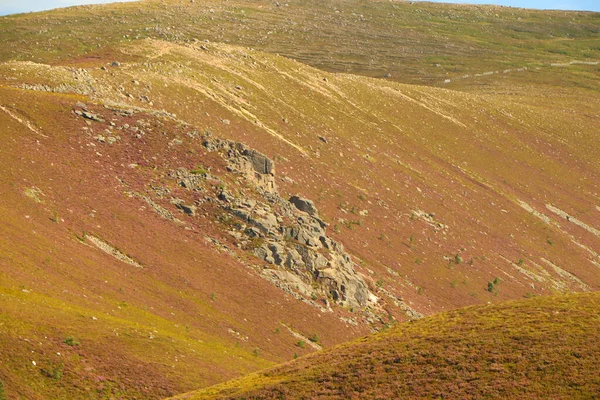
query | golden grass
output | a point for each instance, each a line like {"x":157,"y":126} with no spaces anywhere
{"x":538,"y":348}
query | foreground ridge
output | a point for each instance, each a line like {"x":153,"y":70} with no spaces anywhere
{"x":542,"y":347}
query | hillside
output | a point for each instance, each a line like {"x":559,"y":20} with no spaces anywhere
{"x":187,"y":198}
{"x":528,"y":349}
{"x":414,"y":42}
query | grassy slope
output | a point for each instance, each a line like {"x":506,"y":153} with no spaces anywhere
{"x":471,"y":159}
{"x":419,"y":42}
{"x":536,"y":348}
{"x":468,"y":155}
{"x":192,"y":316}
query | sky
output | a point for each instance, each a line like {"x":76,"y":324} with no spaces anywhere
{"x":17,"y":6}
{"x":20,"y":6}
{"x":584,"y":5}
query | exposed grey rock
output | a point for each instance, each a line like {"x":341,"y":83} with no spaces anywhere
{"x":263,"y":253}
{"x":249,"y":163}
{"x":278,"y":252}
{"x":295,"y":239}
{"x":226,"y":196}
{"x":304,"y":204}
{"x":91,"y":116}
{"x":189,"y":210}
{"x":320,"y":262}
{"x":268,"y":222}
{"x":188,"y":179}
{"x":326,"y":242}
{"x":261,"y":163}
{"x":248,"y":203}
{"x":293,"y":260}
{"x":242,"y":213}
{"x":253,"y":232}
{"x":163,"y":212}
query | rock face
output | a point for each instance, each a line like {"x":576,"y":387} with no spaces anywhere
{"x":250,"y":163}
{"x":303,"y":204}
{"x":288,"y":235}
{"x":260,"y":162}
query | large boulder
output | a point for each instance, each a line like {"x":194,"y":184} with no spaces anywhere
{"x":303,"y":204}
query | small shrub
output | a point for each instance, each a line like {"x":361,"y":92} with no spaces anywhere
{"x":300,"y":343}
{"x":54,"y":371}
{"x":491,"y":287}
{"x":457,"y":259}
{"x":255,"y":243}
{"x":199,"y":170}
{"x":81,"y":237}
{"x":2,"y":392}
{"x":314,"y":338}
{"x":70,"y":340}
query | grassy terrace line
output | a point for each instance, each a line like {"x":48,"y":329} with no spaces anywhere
{"x":536,"y":348}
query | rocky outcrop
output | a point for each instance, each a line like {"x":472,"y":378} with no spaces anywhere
{"x":288,"y":234}
{"x":303,"y":204}
{"x":188,"y":179}
{"x":253,"y":165}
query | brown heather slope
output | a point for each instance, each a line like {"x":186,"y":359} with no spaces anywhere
{"x":190,"y":315}
{"x":481,"y":191}
{"x":527,"y":349}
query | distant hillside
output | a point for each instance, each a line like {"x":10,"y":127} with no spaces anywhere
{"x":529,"y":349}
{"x":411,"y":42}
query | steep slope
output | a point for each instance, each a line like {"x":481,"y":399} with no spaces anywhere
{"x":147,"y":232}
{"x":536,"y":348}
{"x":109,"y":289}
{"x":434,"y":191}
